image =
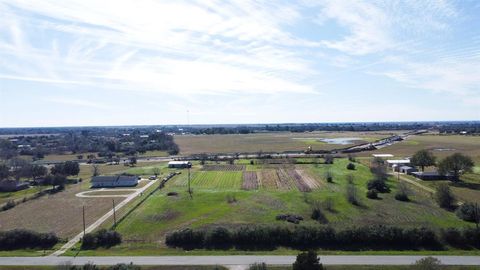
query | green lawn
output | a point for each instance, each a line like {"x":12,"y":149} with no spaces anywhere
{"x":218,"y":200}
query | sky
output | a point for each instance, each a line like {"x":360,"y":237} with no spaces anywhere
{"x":145,"y":62}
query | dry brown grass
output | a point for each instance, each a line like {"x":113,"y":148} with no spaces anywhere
{"x":60,"y":213}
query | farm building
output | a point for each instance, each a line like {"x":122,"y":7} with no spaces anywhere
{"x":394,"y":163}
{"x":382,"y":155}
{"x":179,"y":164}
{"x":407,"y":169}
{"x":429,"y":176}
{"x":114,"y":181}
{"x":13,"y":185}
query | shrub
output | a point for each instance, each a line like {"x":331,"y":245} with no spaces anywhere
{"x":402,"y":192}
{"x":352,"y":194}
{"x":22,"y":239}
{"x":122,"y":266}
{"x":102,"y":238}
{"x":328,"y":159}
{"x":307,"y":261}
{"x":452,"y":236}
{"x":329,"y":204}
{"x":218,"y":238}
{"x":427,"y":263}
{"x":329,"y":176}
{"x":379,"y":185}
{"x":372,"y":194}
{"x":318,"y":215}
{"x":231,"y":198}
{"x":469,"y":212}
{"x":444,"y":197}
{"x":258,"y":266}
{"x":351,"y":166}
{"x":8,"y":205}
{"x":351,"y":158}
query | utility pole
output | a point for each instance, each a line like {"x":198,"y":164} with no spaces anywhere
{"x":114,"y":214}
{"x":83,"y":220}
{"x":189,"y":188}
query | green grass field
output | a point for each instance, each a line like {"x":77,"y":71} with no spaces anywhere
{"x":218,"y":200}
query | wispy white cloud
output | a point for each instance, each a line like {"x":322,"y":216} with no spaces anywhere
{"x":77,"y":102}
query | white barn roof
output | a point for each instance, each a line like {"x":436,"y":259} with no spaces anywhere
{"x":382,"y":155}
{"x":398,"y":161}
{"x":178,"y":162}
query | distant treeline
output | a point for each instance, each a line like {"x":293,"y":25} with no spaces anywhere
{"x":469,"y":127}
{"x":304,"y":237}
{"x":85,"y":141}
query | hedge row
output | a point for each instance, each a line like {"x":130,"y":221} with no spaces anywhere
{"x":303,"y":237}
{"x":102,"y":238}
{"x":23,"y":239}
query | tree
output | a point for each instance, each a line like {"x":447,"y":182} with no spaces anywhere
{"x":39,"y":171}
{"x":95,"y":170}
{"x":352,"y":193}
{"x":307,"y":261}
{"x":423,"y":158}
{"x":156,"y":171}
{"x":444,"y":196}
{"x":469,"y":212}
{"x":456,"y":165}
{"x":71,"y":168}
{"x":133,"y":161}
{"x":4,"y":171}
{"x":428,"y":263}
{"x":351,"y":166}
{"x":258,"y":266}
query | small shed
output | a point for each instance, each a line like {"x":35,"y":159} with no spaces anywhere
{"x":382,"y":155}
{"x":179,"y":164}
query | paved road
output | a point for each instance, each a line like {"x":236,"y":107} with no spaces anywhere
{"x":235,"y":261}
{"x":97,"y":223}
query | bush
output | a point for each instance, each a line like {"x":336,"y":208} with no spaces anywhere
{"x":22,"y":239}
{"x":379,"y":185}
{"x":372,"y":194}
{"x":352,"y":196}
{"x":469,"y":212}
{"x":428,"y":263}
{"x":8,"y":205}
{"x":318,"y":215}
{"x":452,"y":236}
{"x":258,"y":266}
{"x":307,"y":261}
{"x":444,"y":197}
{"x":402,"y":192}
{"x":218,"y":238}
{"x":329,"y":176}
{"x":123,"y":266}
{"x":102,"y":238}
{"x":351,"y":166}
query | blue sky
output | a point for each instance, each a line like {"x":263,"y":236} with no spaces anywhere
{"x":119,"y":62}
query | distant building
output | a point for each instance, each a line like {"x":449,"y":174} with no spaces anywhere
{"x":13,"y":185}
{"x":383,"y":155}
{"x":429,"y":176}
{"x":396,"y":163}
{"x":179,"y":164}
{"x":114,"y":181}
